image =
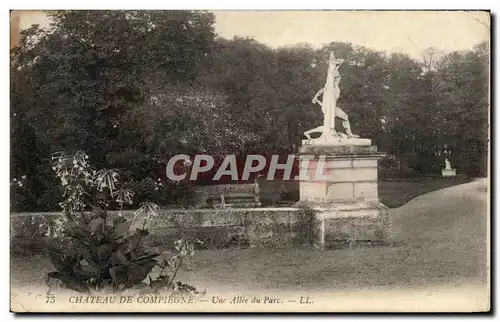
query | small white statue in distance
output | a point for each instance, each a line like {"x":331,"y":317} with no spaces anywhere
{"x":448,"y":171}
{"x":447,"y":164}
{"x":336,"y":111}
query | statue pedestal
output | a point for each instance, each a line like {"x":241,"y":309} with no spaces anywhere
{"x":345,"y":197}
{"x":448,"y":172}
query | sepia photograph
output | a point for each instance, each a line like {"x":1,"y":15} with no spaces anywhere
{"x":250,"y":161}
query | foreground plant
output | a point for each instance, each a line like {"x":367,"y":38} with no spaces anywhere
{"x":100,"y":251}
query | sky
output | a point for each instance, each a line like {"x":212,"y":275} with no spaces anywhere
{"x":409,"y":32}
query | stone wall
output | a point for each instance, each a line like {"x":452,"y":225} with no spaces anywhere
{"x":221,"y":228}
{"x":246,"y":227}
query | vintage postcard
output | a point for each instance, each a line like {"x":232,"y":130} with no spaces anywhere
{"x":249,"y":161}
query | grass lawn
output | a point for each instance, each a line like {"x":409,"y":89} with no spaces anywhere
{"x":396,"y":193}
{"x":393,"y":194}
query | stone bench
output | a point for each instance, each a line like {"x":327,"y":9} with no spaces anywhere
{"x":231,"y":195}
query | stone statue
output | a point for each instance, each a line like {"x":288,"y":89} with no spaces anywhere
{"x":448,"y":171}
{"x":447,"y":164}
{"x":331,"y":108}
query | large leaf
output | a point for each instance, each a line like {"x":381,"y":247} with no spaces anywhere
{"x":142,"y":232}
{"x":146,"y":257}
{"x":78,"y":232}
{"x":119,"y":274}
{"x":90,"y":268}
{"x":84,"y":237}
{"x":121,"y":257}
{"x":104,"y":252}
{"x":62,"y":262}
{"x":122,"y":229}
{"x":95,"y":224}
{"x":137,"y":272}
{"x":132,"y":242}
{"x":90,"y":256}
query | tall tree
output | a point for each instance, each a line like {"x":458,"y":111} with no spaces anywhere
{"x":463,"y":89}
{"x":93,"y":66}
{"x":74,"y":84}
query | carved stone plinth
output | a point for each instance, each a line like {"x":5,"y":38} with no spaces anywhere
{"x":448,"y":172}
{"x":341,"y":185}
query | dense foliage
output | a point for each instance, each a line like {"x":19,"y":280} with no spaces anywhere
{"x":133,"y":88}
{"x":101,"y":251}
